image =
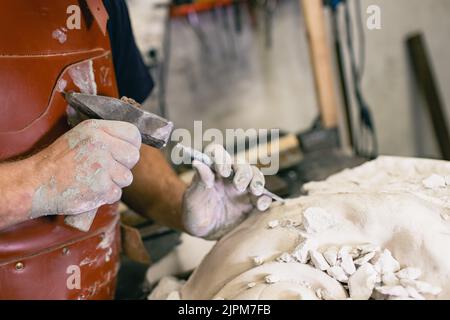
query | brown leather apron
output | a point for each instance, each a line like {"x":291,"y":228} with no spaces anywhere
{"x":39,"y":57}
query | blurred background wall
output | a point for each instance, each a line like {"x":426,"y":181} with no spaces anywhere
{"x":403,"y":127}
{"x":232,"y":80}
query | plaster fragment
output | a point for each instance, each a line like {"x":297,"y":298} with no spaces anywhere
{"x":258,"y":260}
{"x":287,"y":223}
{"x":271,"y":278}
{"x":338,"y":274}
{"x":399,"y":298}
{"x":409,"y":273}
{"x":344,"y":250}
{"x":386,"y":263}
{"x":301,"y":252}
{"x":362,"y":282}
{"x":317,"y":220}
{"x":389,"y":279}
{"x":273,"y":224}
{"x":434,"y":181}
{"x":413,"y":293}
{"x":319,"y":293}
{"x":421,"y":286}
{"x":285,"y":257}
{"x":318,"y":260}
{"x":347,"y":263}
{"x":397,"y":291}
{"x":331,"y":254}
{"x":354,"y":252}
{"x":367,"y":248}
{"x":365,"y":258}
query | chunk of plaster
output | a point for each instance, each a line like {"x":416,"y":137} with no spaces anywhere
{"x":330,"y":254}
{"x":397,"y":291}
{"x":301,"y":252}
{"x":320,"y":293}
{"x":287,"y":223}
{"x":272,"y":278}
{"x":367,"y":248}
{"x":386,"y":263}
{"x":285,"y":257}
{"x":317,"y":220}
{"x":338,"y":274}
{"x":434,"y":181}
{"x":409,"y":273}
{"x":362,"y":282}
{"x":347,"y":263}
{"x":365,"y":258}
{"x":318,"y":260}
{"x":257,"y":261}
{"x":389,"y":279}
{"x":413,"y":293}
{"x":354,"y":252}
{"x":421,"y":286}
{"x":273,"y":224}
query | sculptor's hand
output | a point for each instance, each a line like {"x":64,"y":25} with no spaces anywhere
{"x":85,"y":168}
{"x":214,"y":203}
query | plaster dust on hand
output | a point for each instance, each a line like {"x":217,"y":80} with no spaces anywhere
{"x":373,"y":232}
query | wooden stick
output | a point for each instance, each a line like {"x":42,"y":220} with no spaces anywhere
{"x":427,"y":85}
{"x":320,"y":54}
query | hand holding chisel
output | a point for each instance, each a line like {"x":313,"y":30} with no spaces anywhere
{"x":154,"y":130}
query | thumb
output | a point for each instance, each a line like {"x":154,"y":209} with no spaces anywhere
{"x":204,"y":173}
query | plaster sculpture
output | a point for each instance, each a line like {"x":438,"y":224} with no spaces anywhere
{"x":378,"y":231}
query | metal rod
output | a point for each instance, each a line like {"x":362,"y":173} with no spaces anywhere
{"x":342,"y":79}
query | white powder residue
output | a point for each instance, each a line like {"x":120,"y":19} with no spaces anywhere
{"x":60,"y":35}
{"x":108,"y":239}
{"x":83,"y":77}
{"x":61,"y":85}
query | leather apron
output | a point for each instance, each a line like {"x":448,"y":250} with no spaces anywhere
{"x":42,"y":54}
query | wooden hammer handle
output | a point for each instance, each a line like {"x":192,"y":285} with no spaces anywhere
{"x":320,"y":53}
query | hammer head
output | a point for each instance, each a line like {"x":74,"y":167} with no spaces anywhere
{"x":155,"y":130}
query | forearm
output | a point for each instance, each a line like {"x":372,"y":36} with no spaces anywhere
{"x":16,"y":191}
{"x":156,"y":191}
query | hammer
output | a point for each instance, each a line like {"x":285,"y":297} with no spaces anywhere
{"x":155,"y":131}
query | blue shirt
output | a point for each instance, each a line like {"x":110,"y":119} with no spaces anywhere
{"x":133,"y":78}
